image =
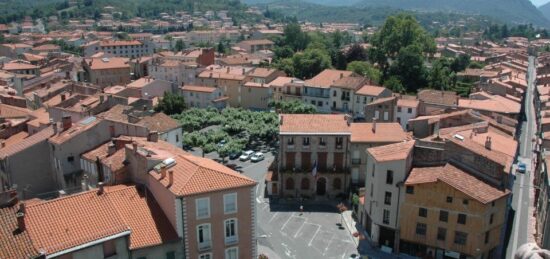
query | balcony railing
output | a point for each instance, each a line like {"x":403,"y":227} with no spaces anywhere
{"x":356,"y":161}
{"x":231,"y":240}
{"x":205,"y":246}
{"x":338,"y":146}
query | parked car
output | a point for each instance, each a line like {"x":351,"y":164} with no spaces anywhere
{"x":222,"y":143}
{"x":246,"y":155}
{"x":257,"y":157}
{"x":235,"y":167}
{"x":522,"y":167}
{"x":235,"y":155}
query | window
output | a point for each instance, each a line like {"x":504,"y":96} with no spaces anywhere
{"x":305,"y":184}
{"x":290,"y":141}
{"x":389,"y":177}
{"x":203,"y":236}
{"x":171,"y":255}
{"x":398,"y":108}
{"x":334,"y":93}
{"x":231,"y":236}
{"x":465,"y":201}
{"x":289,"y":184}
{"x":487,"y":237}
{"x":422,"y":212}
{"x":491,"y":218}
{"x":409,"y":110}
{"x":449,"y":199}
{"x":460,"y":238}
{"x":461,"y":219}
{"x":387,"y":198}
{"x":410,"y":189}
{"x":205,"y":256}
{"x":337,"y":184}
{"x":441,"y":234}
{"x":305,"y":141}
{"x":322,"y":142}
{"x":70,"y":159}
{"x":230,"y":203}
{"x":386,"y":217}
{"x":492,"y":204}
{"x":443,"y":216}
{"x":421,"y":229}
{"x":339,"y":141}
{"x":232,"y":253}
{"x":203,"y":207}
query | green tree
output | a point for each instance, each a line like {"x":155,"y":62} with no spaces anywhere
{"x":295,"y":37}
{"x":365,"y":69}
{"x":409,"y":68}
{"x":460,"y":63}
{"x":356,"y":53}
{"x":440,"y":76}
{"x":310,"y":63}
{"x":393,"y":83}
{"x":180,"y":45}
{"x":293,"y":107}
{"x":171,"y":104}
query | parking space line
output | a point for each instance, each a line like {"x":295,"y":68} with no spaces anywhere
{"x":314,"y":235}
{"x":273,"y":217}
{"x":300,"y":228}
{"x":286,"y":222}
{"x":328,"y":245}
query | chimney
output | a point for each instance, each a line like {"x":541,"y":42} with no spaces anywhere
{"x":54,"y":126}
{"x":2,"y":144}
{"x":63,"y":97}
{"x":66,"y":122}
{"x":111,"y":149}
{"x":101,"y":98}
{"x":162,"y":172}
{"x":170,"y":178}
{"x":100,"y":189}
{"x":341,"y":75}
{"x":22,"y":207}
{"x":20,"y":221}
{"x":134,"y":147}
{"x":153,"y":136}
{"x":488,"y":143}
{"x":374,"y":125}
{"x":84,"y":183}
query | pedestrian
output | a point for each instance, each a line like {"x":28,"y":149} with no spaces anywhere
{"x":301,"y":210}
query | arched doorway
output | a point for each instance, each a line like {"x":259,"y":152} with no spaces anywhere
{"x":321,"y":186}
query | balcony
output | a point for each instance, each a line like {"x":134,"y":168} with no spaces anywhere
{"x":338,"y":146}
{"x":205,"y":246}
{"x":305,"y":146}
{"x":356,"y":161}
{"x":322,"y":145}
{"x":345,"y":98}
{"x":290,"y":146}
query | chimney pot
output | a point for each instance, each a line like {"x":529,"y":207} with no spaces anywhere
{"x":2,"y":144}
{"x":66,"y":122}
{"x":22,"y":207}
{"x":170,"y":178}
{"x":84,"y":183}
{"x":162,"y":172}
{"x":100,"y":189}
{"x":20,"y":221}
{"x":488,"y":143}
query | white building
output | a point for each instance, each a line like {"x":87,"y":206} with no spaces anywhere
{"x":407,"y":109}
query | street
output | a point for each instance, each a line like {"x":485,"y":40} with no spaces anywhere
{"x":522,"y":184}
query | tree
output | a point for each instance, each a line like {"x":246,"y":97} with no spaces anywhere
{"x":393,"y":83}
{"x":293,"y":107}
{"x":409,"y":68}
{"x":171,"y":104}
{"x":365,"y":69}
{"x":180,"y":45}
{"x":460,"y":63}
{"x":356,"y":53}
{"x":440,"y":76}
{"x":310,"y":63}
{"x":295,"y":37}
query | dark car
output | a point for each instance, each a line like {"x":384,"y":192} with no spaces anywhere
{"x":235,"y":167}
{"x":235,"y":155}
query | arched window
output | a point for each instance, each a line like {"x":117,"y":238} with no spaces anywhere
{"x":289,"y":184}
{"x":305,"y":184}
{"x":337,"y":184}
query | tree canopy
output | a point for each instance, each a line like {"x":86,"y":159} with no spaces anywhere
{"x":171,"y":104}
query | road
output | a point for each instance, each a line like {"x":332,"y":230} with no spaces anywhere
{"x":523,"y":183}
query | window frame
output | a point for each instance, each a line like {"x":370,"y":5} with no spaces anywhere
{"x":389,"y":176}
{"x":459,"y":236}
{"x":443,"y":218}
{"x":209,"y":245}
{"x":441,"y":234}
{"x":386,"y":215}
{"x":462,"y":219}
{"x":225,"y":196}
{"x":387,"y":198}
{"x":234,"y":239}
{"x":422,"y":212}
{"x":421,"y":226}
{"x":236,"y":248}
{"x":197,"y":201}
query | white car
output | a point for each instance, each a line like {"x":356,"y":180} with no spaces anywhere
{"x":257,"y":157}
{"x":246,"y":155}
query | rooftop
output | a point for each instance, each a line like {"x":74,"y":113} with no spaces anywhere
{"x":327,"y":77}
{"x":384,"y":133}
{"x":107,"y":63}
{"x":14,"y":243}
{"x":159,"y":122}
{"x":336,"y":124}
{"x":370,"y":90}
{"x":397,"y":151}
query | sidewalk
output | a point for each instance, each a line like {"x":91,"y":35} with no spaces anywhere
{"x":364,"y":246}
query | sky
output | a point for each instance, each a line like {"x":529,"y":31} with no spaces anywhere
{"x":538,"y":3}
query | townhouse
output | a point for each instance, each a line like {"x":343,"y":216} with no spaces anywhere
{"x":366,"y":95}
{"x":119,"y":48}
{"x":203,"y":96}
{"x":286,"y":89}
{"x":317,"y":89}
{"x":343,"y":93}
{"x":106,"y":71}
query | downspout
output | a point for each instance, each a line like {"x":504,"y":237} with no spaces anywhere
{"x":183,"y":230}
{"x":397,"y":229}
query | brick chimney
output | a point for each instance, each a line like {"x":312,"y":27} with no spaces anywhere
{"x":153,"y":136}
{"x":63,"y":97}
{"x":66,"y":122}
{"x":374,"y":125}
{"x":20,"y":215}
{"x":170,"y":178}
{"x":488,"y":143}
{"x":100,"y":189}
{"x":162,"y":172}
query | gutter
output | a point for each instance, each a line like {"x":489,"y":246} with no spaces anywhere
{"x":95,"y":242}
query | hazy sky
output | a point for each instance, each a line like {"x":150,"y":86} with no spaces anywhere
{"x":539,"y":2}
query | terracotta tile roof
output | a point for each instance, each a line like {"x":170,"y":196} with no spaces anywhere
{"x":47,"y":47}
{"x":495,"y":103}
{"x":17,"y":66}
{"x":75,"y":130}
{"x":32,"y":140}
{"x":385,"y":133}
{"x":66,"y":222}
{"x":475,"y":147}
{"x":407,"y":103}
{"x":198,"y":88}
{"x":262,"y":72}
{"x":282,"y":80}
{"x":13,"y":243}
{"x":107,"y":63}
{"x":111,"y":43}
{"x":195,"y":175}
{"x":382,"y":100}
{"x":142,"y":214}
{"x":16,"y":138}
{"x":221,"y":75}
{"x":351,"y":83}
{"x":438,"y":97}
{"x":32,"y":57}
{"x":500,"y":142}
{"x":457,"y":179}
{"x":370,"y":90}
{"x":256,"y":42}
{"x":327,"y":77}
{"x":314,"y":124}
{"x":9,"y":111}
{"x":397,"y":151}
{"x":159,"y":122}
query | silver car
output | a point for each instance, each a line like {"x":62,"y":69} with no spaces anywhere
{"x":246,"y":155}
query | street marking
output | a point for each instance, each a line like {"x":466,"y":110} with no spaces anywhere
{"x":328,"y":245}
{"x":273,"y":217}
{"x":286,"y":222}
{"x":314,"y":235}
{"x":300,"y":228}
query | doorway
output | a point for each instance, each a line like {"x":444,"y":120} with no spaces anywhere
{"x":321,"y":186}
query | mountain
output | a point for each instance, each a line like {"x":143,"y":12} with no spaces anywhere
{"x":513,"y":11}
{"x":545,"y":10}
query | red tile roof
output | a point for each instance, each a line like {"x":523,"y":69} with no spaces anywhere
{"x":159,"y":122}
{"x":198,"y":88}
{"x":457,"y":179}
{"x":370,"y":90}
{"x":397,"y":151}
{"x":195,"y":175}
{"x":327,"y":77}
{"x":107,"y":63}
{"x":14,"y":243}
{"x":34,"y":139}
{"x":314,"y":124}
{"x":385,"y":133}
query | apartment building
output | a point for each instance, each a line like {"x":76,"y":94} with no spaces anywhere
{"x":119,"y":48}
{"x":255,"y":96}
{"x":365,"y":95}
{"x":287,"y":89}
{"x":253,"y":46}
{"x":175,"y":71}
{"x":203,"y":96}
{"x":407,"y":109}
{"x":387,"y":169}
{"x":343,"y":93}
{"x":106,"y":71}
{"x":448,"y":212}
{"x":313,"y":155}
{"x":229,"y":79}
{"x":14,"y":50}
{"x":149,"y":87}
{"x":317,"y":89}
{"x":21,"y":67}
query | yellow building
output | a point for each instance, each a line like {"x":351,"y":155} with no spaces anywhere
{"x":448,"y":212}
